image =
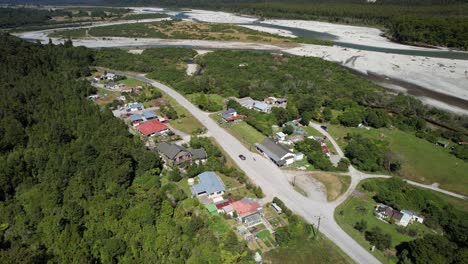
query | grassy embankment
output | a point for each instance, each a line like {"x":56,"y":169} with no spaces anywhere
{"x":421,"y":161}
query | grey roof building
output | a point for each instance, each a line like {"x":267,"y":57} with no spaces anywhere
{"x":175,"y":154}
{"x":278,"y":153}
{"x":209,"y":183}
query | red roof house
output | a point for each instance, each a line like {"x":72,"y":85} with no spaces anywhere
{"x":152,"y":127}
{"x":246,"y":207}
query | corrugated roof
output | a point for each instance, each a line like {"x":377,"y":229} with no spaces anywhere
{"x":149,"y":114}
{"x":272,"y":149}
{"x":246,"y":207}
{"x":169,"y":150}
{"x":151,"y":127}
{"x":209,"y":183}
{"x":198,"y":153}
{"x":135,"y":117}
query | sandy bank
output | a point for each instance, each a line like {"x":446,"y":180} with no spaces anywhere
{"x":349,"y":34}
{"x":218,"y":17}
{"x":279,"y":32}
{"x":442,"y":75}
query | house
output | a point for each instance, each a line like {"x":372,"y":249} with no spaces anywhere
{"x":198,"y":155}
{"x":224,"y":206}
{"x":135,"y":106}
{"x":152,"y":127}
{"x":249,"y":211}
{"x":297,"y":138}
{"x":163,"y":119}
{"x":149,"y":114}
{"x":317,"y":138}
{"x":325,"y":150}
{"x":278,"y":153}
{"x":410,"y":217}
{"x":209,"y":185}
{"x":261,"y":106}
{"x":93,"y":97}
{"x":275,"y":101}
{"x":97,"y":78}
{"x":174,"y":154}
{"x":246,"y":102}
{"x":270,"y":100}
{"x":402,"y":218}
{"x":443,"y":143}
{"x":111,"y":85}
{"x":281,"y":136}
{"x":231,"y":115}
{"x":110,"y":76}
{"x":135,"y":119}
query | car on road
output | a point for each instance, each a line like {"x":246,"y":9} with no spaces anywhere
{"x":324,"y":127}
{"x":242,"y":157}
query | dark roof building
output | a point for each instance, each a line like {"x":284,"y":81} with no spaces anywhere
{"x":175,"y":154}
{"x":278,"y":153}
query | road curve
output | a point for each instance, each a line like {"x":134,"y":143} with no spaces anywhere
{"x":273,"y":180}
{"x":358,"y":176}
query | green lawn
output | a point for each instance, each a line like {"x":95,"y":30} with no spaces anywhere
{"x":314,"y":251}
{"x":131,"y":82}
{"x":246,"y":134}
{"x":361,"y":207}
{"x":186,"y":122}
{"x":422,"y":161}
{"x":215,"y":98}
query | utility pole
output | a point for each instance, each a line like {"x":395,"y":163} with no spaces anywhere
{"x":318,"y":227}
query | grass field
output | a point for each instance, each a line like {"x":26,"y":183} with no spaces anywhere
{"x":422,"y":161}
{"x":111,"y":95}
{"x":248,"y":135}
{"x":320,"y":251}
{"x":336,"y":185}
{"x":186,"y":122}
{"x":131,"y":82}
{"x":361,"y":206}
{"x":214,"y":98}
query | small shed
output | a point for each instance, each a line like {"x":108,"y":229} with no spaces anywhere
{"x":212,"y":210}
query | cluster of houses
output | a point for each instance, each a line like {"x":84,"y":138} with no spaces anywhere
{"x":401,"y":218}
{"x":262,"y":106}
{"x":120,"y":87}
{"x":210,"y":190}
{"x":145,"y":121}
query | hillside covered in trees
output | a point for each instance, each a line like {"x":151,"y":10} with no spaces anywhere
{"x":75,"y":186}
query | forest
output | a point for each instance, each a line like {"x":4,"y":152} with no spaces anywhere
{"x":75,"y":186}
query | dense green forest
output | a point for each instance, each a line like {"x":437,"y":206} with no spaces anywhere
{"x":17,"y":17}
{"x":75,"y":186}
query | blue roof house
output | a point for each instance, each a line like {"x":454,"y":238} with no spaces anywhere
{"x":209,"y":184}
{"x":135,"y":118}
{"x":149,"y":114}
{"x":261,"y":106}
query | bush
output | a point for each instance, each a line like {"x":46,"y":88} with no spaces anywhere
{"x":343,"y":164}
{"x":378,"y":238}
{"x":361,"y":226}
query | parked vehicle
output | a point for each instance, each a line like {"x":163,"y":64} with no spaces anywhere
{"x":242,"y":157}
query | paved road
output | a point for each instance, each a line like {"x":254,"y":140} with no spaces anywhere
{"x":273,"y":180}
